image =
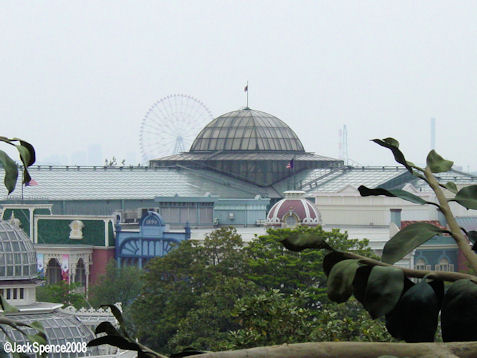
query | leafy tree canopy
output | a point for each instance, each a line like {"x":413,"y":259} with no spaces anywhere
{"x":221,"y":293}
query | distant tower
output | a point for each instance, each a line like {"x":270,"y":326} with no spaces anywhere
{"x":433,"y":133}
{"x":343,"y":144}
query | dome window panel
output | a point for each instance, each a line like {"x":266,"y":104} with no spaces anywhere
{"x":236,"y":143}
{"x":240,"y":132}
{"x":223,"y":132}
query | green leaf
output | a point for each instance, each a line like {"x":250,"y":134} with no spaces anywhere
{"x":304,"y":240}
{"x":332,"y":259}
{"x":119,"y":317}
{"x":438,"y":287}
{"x":394,"y":318}
{"x":360,"y":281}
{"x":459,"y":312}
{"x":393,"y":145}
{"x":416,"y":314}
{"x":38,"y":326}
{"x":396,"y":193}
{"x":383,"y":290}
{"x":6,"y":307}
{"x":11,"y":171}
{"x":31,"y":151}
{"x":108,"y":328}
{"x":451,"y":187}
{"x":116,"y":341}
{"x":407,"y":240}
{"x":437,"y":164}
{"x":340,"y":280}
{"x":39,"y":337}
{"x":187,"y":352}
{"x":467,"y":197}
{"x":25,"y":158}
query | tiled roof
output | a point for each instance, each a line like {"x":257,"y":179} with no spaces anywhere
{"x":405,"y":223}
{"x":99,"y":183}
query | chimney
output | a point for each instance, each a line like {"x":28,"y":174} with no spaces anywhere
{"x":396,"y":217}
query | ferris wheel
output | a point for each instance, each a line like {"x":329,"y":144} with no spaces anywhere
{"x":171,"y":125}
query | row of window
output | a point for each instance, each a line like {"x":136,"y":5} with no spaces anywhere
{"x":12,"y":293}
{"x":438,"y":267}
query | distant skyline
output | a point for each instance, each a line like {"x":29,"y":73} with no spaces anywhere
{"x":78,"y":75}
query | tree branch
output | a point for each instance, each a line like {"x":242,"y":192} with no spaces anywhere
{"x":353,"y":350}
{"x":441,"y":275}
{"x":455,"y":230}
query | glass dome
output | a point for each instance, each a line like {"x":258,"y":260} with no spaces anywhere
{"x":17,"y":254}
{"x":60,"y":329}
{"x":247,"y":130}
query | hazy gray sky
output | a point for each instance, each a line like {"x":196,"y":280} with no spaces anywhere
{"x":77,"y":74}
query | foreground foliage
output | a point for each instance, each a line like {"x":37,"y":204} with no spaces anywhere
{"x":411,"y":309}
{"x":10,"y":167}
{"x":27,"y":157}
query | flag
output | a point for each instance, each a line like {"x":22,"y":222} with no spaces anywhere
{"x":32,"y":182}
{"x":246,"y":88}
{"x":290,"y":164}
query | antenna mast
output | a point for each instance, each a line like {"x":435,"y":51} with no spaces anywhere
{"x":343,"y":144}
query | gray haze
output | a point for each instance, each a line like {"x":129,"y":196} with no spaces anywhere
{"x":77,"y":77}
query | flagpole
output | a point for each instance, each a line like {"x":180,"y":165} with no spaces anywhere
{"x":247,"y":94}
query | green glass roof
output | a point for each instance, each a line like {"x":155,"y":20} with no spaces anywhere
{"x":99,"y":183}
{"x":17,"y":255}
{"x":247,"y":130}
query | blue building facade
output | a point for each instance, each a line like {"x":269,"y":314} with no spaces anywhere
{"x":438,"y":254}
{"x":152,"y":240}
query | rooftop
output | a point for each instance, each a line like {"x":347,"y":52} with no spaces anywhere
{"x":247,"y":130}
{"x":117,"y":183}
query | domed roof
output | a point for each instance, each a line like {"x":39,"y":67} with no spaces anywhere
{"x":247,"y":130}
{"x":17,"y":254}
{"x":293,"y":210}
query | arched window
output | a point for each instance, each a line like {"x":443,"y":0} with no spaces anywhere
{"x":53,"y":272}
{"x":444,"y":265}
{"x":80,"y":274}
{"x":421,"y":265}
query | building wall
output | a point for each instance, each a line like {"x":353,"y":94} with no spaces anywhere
{"x":99,"y":207}
{"x":245,"y":212}
{"x":57,"y":231}
{"x":357,"y":210}
{"x":101,"y":257}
